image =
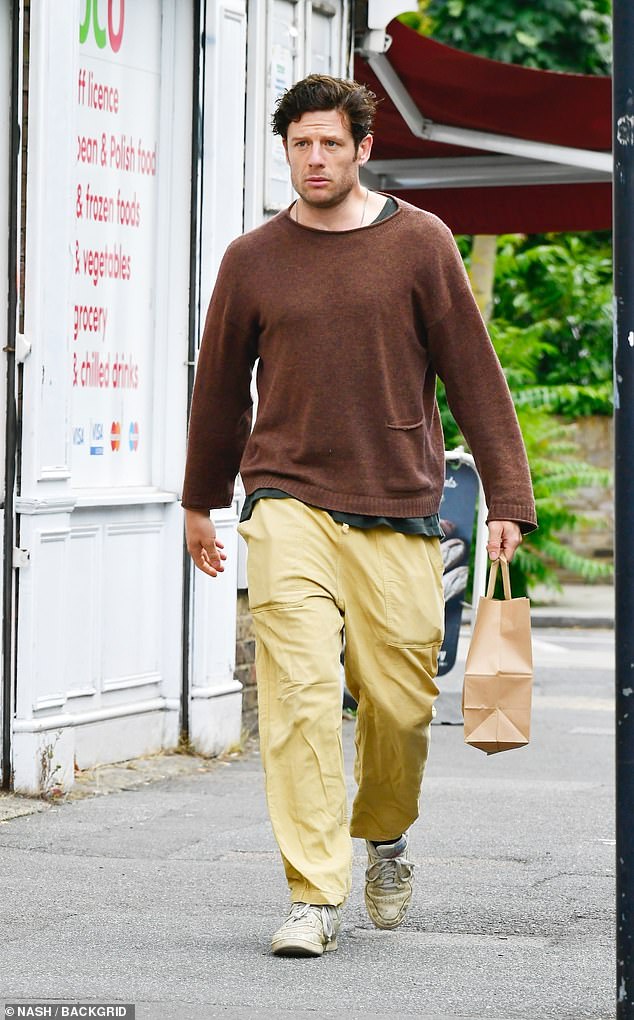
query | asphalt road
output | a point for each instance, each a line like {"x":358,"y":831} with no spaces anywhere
{"x":165,"y":895}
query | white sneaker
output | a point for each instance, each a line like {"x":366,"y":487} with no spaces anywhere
{"x":309,"y":930}
{"x":389,"y":882}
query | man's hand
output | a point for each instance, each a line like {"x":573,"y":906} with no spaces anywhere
{"x":504,"y":537}
{"x":202,"y":544}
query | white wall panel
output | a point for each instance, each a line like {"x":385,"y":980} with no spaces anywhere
{"x":49,"y":558}
{"x":216,"y":698}
{"x":214,"y":647}
{"x":82,"y":614}
{"x":132,"y":603}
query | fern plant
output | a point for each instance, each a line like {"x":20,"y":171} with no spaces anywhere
{"x":558,"y":472}
{"x":559,"y":478}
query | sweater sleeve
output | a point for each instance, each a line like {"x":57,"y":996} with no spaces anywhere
{"x":220,"y":418}
{"x":478,"y":395}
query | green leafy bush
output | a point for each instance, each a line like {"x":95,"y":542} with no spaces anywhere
{"x":535,"y":340}
{"x":556,"y":35}
{"x":557,"y":289}
{"x":559,"y":475}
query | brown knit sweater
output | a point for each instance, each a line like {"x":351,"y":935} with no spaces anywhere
{"x":351,"y":328}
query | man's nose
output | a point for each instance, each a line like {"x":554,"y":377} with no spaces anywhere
{"x":316,"y":155}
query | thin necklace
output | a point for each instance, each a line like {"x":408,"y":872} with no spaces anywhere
{"x":364,"y":207}
{"x":367,"y":193}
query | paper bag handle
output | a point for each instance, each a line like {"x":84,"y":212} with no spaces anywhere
{"x":506,"y":578}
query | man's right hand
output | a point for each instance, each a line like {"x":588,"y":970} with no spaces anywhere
{"x":202,"y":544}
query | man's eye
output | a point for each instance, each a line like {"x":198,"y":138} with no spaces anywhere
{"x":331,"y":144}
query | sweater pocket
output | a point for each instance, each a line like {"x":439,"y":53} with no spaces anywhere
{"x":407,"y":459}
{"x":406,"y":424}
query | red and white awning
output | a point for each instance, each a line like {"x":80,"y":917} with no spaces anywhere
{"x":489,"y":147}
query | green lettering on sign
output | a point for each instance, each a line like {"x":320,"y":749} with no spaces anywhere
{"x":101,"y":35}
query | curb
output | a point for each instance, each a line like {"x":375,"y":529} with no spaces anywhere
{"x":572,"y":622}
{"x":121,"y":776}
{"x":560,"y":620}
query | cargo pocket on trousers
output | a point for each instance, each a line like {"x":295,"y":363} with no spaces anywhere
{"x":274,"y":542}
{"x":414,"y":604}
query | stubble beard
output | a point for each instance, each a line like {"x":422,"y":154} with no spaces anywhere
{"x":319,"y":201}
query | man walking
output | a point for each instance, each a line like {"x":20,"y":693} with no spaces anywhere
{"x":354,"y":302}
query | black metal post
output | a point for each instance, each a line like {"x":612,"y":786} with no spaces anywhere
{"x":623,"y":144}
{"x":200,"y":21}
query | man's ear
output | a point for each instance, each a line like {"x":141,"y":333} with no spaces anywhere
{"x":364,"y":150}
{"x":285,"y":144}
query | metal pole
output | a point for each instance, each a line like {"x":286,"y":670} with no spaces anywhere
{"x":200,"y":22}
{"x":623,"y":139}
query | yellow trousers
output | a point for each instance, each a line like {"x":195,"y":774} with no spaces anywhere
{"x":308,"y":577}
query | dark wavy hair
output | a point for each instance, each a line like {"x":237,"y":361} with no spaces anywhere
{"x":321,"y":92}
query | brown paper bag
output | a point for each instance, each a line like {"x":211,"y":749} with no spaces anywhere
{"x":496,"y":695}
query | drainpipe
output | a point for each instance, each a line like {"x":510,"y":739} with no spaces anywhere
{"x":11,"y":432}
{"x":194,"y":320}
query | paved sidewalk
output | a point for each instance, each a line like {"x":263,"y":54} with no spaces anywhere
{"x":590,"y":606}
{"x":166,"y":893}
{"x":576,"y":605}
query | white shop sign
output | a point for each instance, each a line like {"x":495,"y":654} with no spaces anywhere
{"x":114,"y":206}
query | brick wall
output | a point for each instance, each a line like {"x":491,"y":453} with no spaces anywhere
{"x":245,"y":662}
{"x":595,"y":438}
